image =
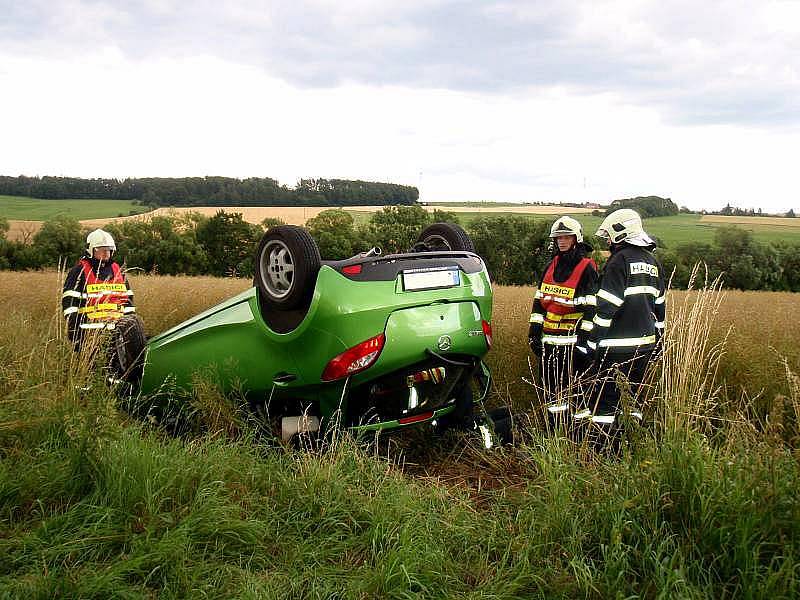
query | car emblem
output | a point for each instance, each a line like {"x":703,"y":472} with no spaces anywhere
{"x":444,"y":343}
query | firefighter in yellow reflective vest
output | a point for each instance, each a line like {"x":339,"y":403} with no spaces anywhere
{"x":565,"y":297}
{"x":629,"y":320}
{"x":96,"y":293}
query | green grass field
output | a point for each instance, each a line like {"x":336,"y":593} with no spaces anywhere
{"x":35,"y":209}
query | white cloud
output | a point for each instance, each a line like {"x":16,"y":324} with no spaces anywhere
{"x":108,"y":115}
{"x":713,"y":62}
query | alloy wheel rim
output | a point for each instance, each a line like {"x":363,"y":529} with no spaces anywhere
{"x":277,"y":269}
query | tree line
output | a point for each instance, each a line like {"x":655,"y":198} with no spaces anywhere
{"x":516,"y":249}
{"x":213,"y":191}
{"x":646,"y":206}
{"x":735,"y":211}
{"x":743,"y":262}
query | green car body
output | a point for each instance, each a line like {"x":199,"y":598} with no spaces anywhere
{"x":445,"y":328}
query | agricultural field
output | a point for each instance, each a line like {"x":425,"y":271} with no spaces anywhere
{"x":702,"y":503}
{"x":765,"y":221}
{"x":751,"y":366}
{"x":505,"y":207}
{"x":671,"y":231}
{"x":25,"y":216}
{"x":759,"y":339}
{"x":760,"y":342}
{"x":677,"y":229}
{"x":767,"y":229}
{"x":35,"y":209}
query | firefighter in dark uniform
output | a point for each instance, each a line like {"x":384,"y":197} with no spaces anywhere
{"x":96,"y":293}
{"x":628,"y":322}
{"x":562,"y":301}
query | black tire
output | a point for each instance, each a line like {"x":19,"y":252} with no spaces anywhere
{"x":445,"y":236}
{"x":287,"y":263}
{"x":128,"y":344}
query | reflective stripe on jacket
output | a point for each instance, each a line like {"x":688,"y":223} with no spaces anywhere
{"x":630,"y":302}
{"x":95,"y":296}
{"x":562,"y":309}
{"x":105,"y":299}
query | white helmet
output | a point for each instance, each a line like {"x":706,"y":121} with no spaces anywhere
{"x":97,"y":239}
{"x":624,"y":225}
{"x":567,"y":226}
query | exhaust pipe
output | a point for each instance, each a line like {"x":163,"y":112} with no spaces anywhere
{"x":291,"y":426}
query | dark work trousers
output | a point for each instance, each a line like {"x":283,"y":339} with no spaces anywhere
{"x":560,"y":367}
{"x":607,"y":390}
{"x":611,"y":377}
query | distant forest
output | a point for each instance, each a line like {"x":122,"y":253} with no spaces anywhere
{"x":213,"y":191}
{"x":646,"y":206}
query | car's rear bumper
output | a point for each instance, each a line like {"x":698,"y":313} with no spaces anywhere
{"x":364,"y":411}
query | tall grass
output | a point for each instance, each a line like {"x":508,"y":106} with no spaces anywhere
{"x":688,"y":390}
{"x":94,"y":503}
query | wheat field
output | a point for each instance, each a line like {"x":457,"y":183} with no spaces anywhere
{"x":760,"y":334}
{"x":22,"y":230}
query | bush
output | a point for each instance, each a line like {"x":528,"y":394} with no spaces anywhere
{"x":161,"y":244}
{"x":334,"y":233}
{"x":59,"y":241}
{"x":646,"y":206}
{"x":516,"y":249}
{"x":230,"y":244}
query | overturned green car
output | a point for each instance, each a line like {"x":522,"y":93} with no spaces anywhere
{"x":369,"y":343}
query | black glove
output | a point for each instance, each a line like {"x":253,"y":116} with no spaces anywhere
{"x":536,"y":345}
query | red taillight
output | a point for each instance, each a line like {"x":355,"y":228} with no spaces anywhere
{"x":415,"y":418}
{"x":487,"y":331}
{"x":354,"y":360}
{"x":351,"y":269}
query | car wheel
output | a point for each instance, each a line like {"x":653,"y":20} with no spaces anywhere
{"x":445,"y":236}
{"x":287,"y":263}
{"x":128,"y":343}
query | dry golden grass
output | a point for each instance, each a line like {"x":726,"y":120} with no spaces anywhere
{"x":552,"y":209}
{"x":293,"y":215}
{"x":762,"y":327}
{"x":762,"y":331}
{"x":733,"y":220}
{"x":162,"y":301}
{"x":22,"y":231}
{"x":165,"y":301}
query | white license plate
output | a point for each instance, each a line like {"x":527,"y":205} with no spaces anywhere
{"x":431,"y":280}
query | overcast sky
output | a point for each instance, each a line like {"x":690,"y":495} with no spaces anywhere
{"x":469,"y":100}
